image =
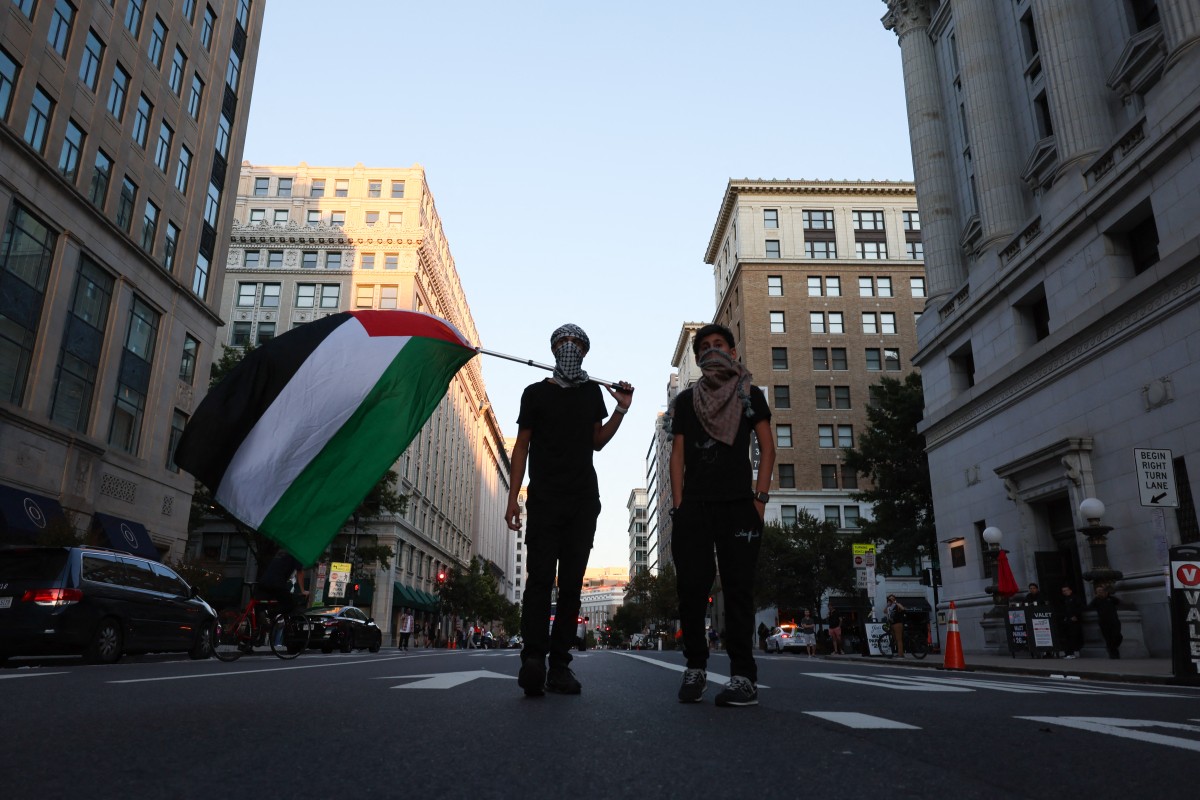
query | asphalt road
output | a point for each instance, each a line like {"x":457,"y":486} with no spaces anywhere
{"x":454,"y":724}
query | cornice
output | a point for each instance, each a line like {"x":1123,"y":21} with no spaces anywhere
{"x":905,"y":16}
{"x":296,"y":234}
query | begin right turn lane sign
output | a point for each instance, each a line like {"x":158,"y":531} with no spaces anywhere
{"x":1156,"y":477}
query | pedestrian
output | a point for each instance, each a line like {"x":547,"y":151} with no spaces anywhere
{"x":406,"y":628}
{"x":1105,"y":605}
{"x":1034,"y":595}
{"x":1072,"y":622}
{"x":560,"y":426}
{"x":763,"y":633}
{"x":808,"y":633}
{"x":834,"y":621}
{"x":893,"y":613}
{"x":717,"y":504}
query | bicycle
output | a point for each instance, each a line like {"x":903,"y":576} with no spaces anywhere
{"x":238,"y":632}
{"x":914,"y":643}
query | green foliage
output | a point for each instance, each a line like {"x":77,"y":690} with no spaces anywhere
{"x":799,"y":563}
{"x":510,"y":616}
{"x":62,"y":532}
{"x":473,"y":594}
{"x":628,"y":619}
{"x":891,"y":454}
{"x":654,"y":600}
{"x":230,"y":358}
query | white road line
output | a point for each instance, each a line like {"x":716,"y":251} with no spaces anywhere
{"x":852,"y":719}
{"x":713,"y":677}
{"x":233,"y":673}
{"x":886,"y":682}
{"x":1127,"y":729}
{"x":29,"y":674}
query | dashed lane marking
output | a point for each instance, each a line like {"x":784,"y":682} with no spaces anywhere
{"x":852,"y":719}
{"x":1128,"y":729}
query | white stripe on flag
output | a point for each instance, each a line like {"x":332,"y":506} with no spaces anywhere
{"x":326,"y":390}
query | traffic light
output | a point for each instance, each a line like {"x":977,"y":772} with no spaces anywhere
{"x":710,"y":599}
{"x":441,"y":577}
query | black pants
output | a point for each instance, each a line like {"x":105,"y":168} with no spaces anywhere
{"x":734,"y":530}
{"x":404,"y":636}
{"x":558,"y":540}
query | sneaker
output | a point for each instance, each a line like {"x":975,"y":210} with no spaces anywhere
{"x":561,"y":680}
{"x":695,"y":681}
{"x":532,"y":677}
{"x":738,"y":692}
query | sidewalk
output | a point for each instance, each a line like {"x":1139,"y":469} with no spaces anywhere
{"x":1135,"y":670}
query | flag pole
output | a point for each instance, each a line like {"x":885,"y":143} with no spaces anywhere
{"x":548,"y":367}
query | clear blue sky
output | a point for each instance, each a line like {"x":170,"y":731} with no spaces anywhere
{"x":578,"y":155}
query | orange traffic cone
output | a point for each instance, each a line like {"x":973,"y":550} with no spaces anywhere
{"x":954,"y":654}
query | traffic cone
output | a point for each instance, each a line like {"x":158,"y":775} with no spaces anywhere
{"x":954,"y":654}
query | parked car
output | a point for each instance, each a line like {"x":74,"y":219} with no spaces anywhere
{"x":98,"y":602}
{"x":783,"y":638}
{"x":344,"y":627}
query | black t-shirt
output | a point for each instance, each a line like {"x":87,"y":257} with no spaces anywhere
{"x":279,"y":571}
{"x":563,"y":423}
{"x":714,"y":470}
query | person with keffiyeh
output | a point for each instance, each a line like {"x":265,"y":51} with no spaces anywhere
{"x":717,"y":504}
{"x":561,"y":424}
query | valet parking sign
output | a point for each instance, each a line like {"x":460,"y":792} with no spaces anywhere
{"x":1185,"y":612}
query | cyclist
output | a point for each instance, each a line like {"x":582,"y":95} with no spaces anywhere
{"x":275,"y":584}
{"x":894,"y":612}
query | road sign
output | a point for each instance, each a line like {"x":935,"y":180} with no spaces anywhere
{"x":864,"y":560}
{"x":861,"y":549}
{"x":1156,"y":477}
{"x":339,"y":576}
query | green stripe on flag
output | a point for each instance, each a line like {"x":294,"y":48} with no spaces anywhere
{"x":322,"y":497}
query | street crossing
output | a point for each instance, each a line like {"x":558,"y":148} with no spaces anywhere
{"x":922,"y":683}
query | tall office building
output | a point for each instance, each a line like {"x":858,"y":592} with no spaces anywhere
{"x":307,"y":242}
{"x":121,"y":127}
{"x":637,"y":506}
{"x":822,"y":283}
{"x":1055,"y":153}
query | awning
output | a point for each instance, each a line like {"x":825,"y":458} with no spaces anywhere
{"x":125,"y":534}
{"x":915,"y":603}
{"x":26,"y":514}
{"x":413,"y":598}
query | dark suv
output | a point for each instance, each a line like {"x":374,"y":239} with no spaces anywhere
{"x":97,"y":602}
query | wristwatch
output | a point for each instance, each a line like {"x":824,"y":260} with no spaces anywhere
{"x":762,"y":497}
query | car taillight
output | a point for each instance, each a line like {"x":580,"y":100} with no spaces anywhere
{"x":52,"y":597}
{"x":330,"y":623}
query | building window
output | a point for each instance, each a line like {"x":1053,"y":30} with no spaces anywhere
{"x":26,"y":7}
{"x":200,"y":276}
{"x":833,"y":286}
{"x":849,"y":477}
{"x":68,"y":160}
{"x":820,"y":358}
{"x":783,"y":397}
{"x":149,"y":227}
{"x":374,"y":188}
{"x":783,"y":435}
{"x":825,"y":436}
{"x":270,"y":295}
{"x":912,"y":220}
{"x":251,"y":259}
{"x":196,"y":96}
{"x":262,"y":186}
{"x":779,"y":358}
{"x":917,"y":286}
{"x":777,"y":322}
{"x":243,"y":13}
{"x":887,"y":323}
{"x":387,"y":296}
{"x":240,"y":334}
{"x":265,"y":333}
{"x":851,"y":515}
{"x":770,"y":218}
{"x":818,"y":220}
{"x":829,"y":476}
{"x":162,"y":150}
{"x":189,"y":11}
{"x":246,"y":294}
{"x":281,"y":216}
{"x":874,"y":359}
{"x":8,"y":78}
{"x":283,"y":187}
{"x":317,"y":188}
{"x":364,"y":297}
{"x":79,"y":358}
{"x":330,"y":295}
{"x":816,"y":322}
{"x":833,"y":515}
{"x":845,"y":435}
{"x":306,"y":295}
{"x":371,"y":218}
{"x":341,"y":187}
{"x":836,"y":323}
{"x":870,"y":322}
{"x":308,"y":259}
{"x":396,"y":218}
{"x":26,"y":253}
{"x":867,"y":220}
{"x":333,"y":260}
{"x":841,"y":397}
{"x":313,"y":219}
{"x":141,"y":121}
{"x":212,"y":205}
{"x":133,"y":17}
{"x":170,"y":244}
{"x":915,"y":250}
{"x":125,"y":204}
{"x":223,"y":135}
{"x":391,"y":260}
{"x":183,"y":169}
{"x":117,"y":93}
{"x":774,"y":286}
{"x":101,"y":178}
{"x":838,"y":358}
{"x":871,"y":250}
{"x":206,"y":28}
{"x":397,"y":189}
{"x":158,"y":39}
{"x":820,"y":249}
{"x":772,"y":248}
{"x":89,"y":67}
{"x":187,"y":360}
{"x":178,"y":423}
{"x":891,"y":360}
{"x":257,"y":216}
{"x":787,"y":476}
{"x":60,"y":27}
{"x":40,"y":111}
{"x":133,"y":383}
{"x":866,"y":287}
{"x":233,"y":71}
{"x":815,"y":286}
{"x":275,"y":259}
{"x":824,"y":396}
{"x":337,"y":218}
{"x":366,"y":261}
{"x":787,"y":515}
{"x":884,"y":286}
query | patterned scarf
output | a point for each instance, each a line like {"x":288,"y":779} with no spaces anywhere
{"x":568,"y":357}
{"x":722,"y":395}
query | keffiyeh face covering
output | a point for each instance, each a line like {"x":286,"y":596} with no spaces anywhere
{"x":568,"y":356}
{"x":722,"y":395}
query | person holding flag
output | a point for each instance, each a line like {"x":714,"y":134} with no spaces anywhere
{"x":560,"y":425}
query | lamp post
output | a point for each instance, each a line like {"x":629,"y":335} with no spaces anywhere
{"x":992,"y":536}
{"x":1092,"y":510}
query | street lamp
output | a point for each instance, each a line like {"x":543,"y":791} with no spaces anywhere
{"x":1092,"y":510}
{"x":991,"y":537}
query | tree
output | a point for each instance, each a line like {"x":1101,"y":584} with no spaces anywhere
{"x":800,"y":562}
{"x":654,"y":600}
{"x":473,"y":593}
{"x":891,"y":455}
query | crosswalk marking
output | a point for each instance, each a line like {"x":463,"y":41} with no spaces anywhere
{"x":29,"y":674}
{"x":931,"y":683}
{"x":852,"y":719}
{"x":1128,"y":729}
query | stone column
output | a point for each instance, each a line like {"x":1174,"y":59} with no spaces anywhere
{"x":1181,"y":26}
{"x":1074,"y":77}
{"x":994,"y":140}
{"x":933,"y":169}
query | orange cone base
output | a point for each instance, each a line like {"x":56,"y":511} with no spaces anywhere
{"x":954,"y":653}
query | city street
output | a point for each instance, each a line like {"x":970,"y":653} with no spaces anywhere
{"x":453,"y":723}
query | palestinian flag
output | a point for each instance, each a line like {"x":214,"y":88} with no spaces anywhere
{"x":301,"y":430}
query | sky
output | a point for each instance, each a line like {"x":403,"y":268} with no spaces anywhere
{"x":578,"y":155}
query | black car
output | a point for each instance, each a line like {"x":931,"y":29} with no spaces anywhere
{"x":344,"y":627}
{"x":101,"y":603}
